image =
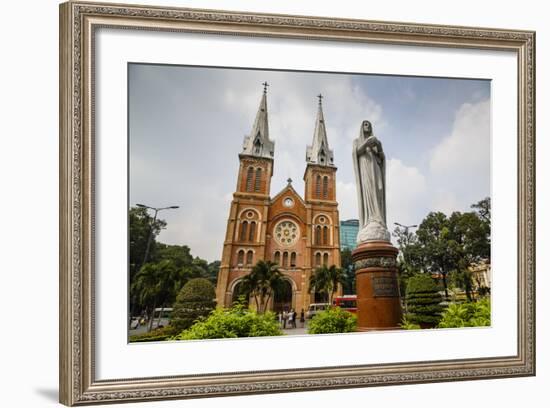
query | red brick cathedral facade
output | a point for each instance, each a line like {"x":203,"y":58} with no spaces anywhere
{"x":299,"y":234}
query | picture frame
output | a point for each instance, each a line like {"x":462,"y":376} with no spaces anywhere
{"x":79,"y":22}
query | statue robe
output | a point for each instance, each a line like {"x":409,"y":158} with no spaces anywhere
{"x":370,"y":174}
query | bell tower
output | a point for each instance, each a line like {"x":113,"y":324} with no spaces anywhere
{"x":320,"y":197}
{"x":320,"y":175}
{"x":245,"y":238}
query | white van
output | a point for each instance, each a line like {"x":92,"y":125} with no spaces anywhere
{"x":315,"y":308}
{"x":161,"y":317}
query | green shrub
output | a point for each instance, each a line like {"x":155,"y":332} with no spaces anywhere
{"x":237,"y":321}
{"x":160,"y":334}
{"x":423,"y":301}
{"x":333,"y":320}
{"x":407,"y":325}
{"x":472,"y":314}
{"x":195,"y":300}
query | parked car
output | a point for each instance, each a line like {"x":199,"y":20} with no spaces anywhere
{"x":315,"y":308}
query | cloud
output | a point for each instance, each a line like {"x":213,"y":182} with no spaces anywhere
{"x":292,"y":108}
{"x":460,"y":163}
{"x":405,"y":193}
{"x":346,"y":194}
{"x":187,"y":126}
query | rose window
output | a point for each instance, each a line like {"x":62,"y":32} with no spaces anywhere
{"x":286,"y":233}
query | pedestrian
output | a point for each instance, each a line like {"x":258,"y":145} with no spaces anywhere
{"x":285,"y":317}
{"x":280,"y":317}
{"x":291,"y":322}
{"x":303,"y":318}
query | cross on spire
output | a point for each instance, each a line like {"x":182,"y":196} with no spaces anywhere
{"x":289,"y":180}
{"x":265,"y":84}
{"x":320,"y":96}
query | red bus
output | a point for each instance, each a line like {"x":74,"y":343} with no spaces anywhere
{"x":346,"y":302}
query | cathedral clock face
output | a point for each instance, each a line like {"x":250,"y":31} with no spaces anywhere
{"x":286,"y":233}
{"x":288,"y":202}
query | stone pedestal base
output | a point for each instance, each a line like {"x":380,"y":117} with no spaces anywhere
{"x":378,"y":301}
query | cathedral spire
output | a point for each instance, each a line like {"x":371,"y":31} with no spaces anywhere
{"x":319,"y":152}
{"x":257,"y":143}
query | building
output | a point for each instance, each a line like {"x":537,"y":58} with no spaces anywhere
{"x":298,"y":233}
{"x":348,"y":234}
{"x":481,"y":275}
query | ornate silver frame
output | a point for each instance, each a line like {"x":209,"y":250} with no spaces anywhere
{"x":78,"y":21}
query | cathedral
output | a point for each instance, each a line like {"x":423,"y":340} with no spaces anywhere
{"x":297,"y":233}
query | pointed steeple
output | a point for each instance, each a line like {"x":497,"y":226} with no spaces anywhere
{"x":257,"y":143}
{"x":319,"y":152}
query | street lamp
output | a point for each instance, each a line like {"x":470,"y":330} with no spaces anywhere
{"x":406,"y":227}
{"x":150,"y":237}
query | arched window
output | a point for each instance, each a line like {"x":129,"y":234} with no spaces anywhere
{"x":285,"y":259}
{"x":293,"y":260}
{"x":240,"y":257}
{"x":325,"y":187}
{"x":249,"y":175}
{"x":244,"y":229}
{"x":318,"y":187}
{"x":317,"y":259}
{"x":258,"y":181}
{"x":252,"y":231}
{"x":325,"y":259}
{"x":249,"y":256}
{"x":317,"y":238}
{"x":325,"y":235}
{"x":277,"y":257}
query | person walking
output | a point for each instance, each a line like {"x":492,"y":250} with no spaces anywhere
{"x":291,"y":320}
{"x":280,"y":318}
{"x":303,"y":318}
{"x":285,"y":317}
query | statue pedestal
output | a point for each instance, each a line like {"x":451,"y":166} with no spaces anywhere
{"x":378,"y":301}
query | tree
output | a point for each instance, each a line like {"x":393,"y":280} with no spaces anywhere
{"x":446,"y":245}
{"x":348,"y":267}
{"x":410,"y":260}
{"x":262,"y":282}
{"x":154,"y":286}
{"x":140,"y":225}
{"x":423,"y":301}
{"x":196,"y":299}
{"x":439,"y":251}
{"x":213,"y":269}
{"x":326,"y":279}
{"x":483,"y":209}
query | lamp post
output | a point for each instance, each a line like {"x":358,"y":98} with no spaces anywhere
{"x":150,"y":237}
{"x":406,"y":227}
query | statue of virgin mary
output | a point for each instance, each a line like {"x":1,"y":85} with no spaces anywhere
{"x":369,"y":164}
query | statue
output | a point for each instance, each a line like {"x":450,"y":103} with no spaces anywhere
{"x":369,"y":164}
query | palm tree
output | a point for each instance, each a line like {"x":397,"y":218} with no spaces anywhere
{"x":155,"y":285}
{"x":262,"y":282}
{"x":326,"y":279}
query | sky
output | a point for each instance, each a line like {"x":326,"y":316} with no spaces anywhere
{"x":187,"y":124}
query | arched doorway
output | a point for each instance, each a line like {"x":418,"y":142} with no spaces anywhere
{"x":282,"y":299}
{"x":238,"y":291}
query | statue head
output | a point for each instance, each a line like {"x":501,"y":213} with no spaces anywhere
{"x":366,"y":129}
